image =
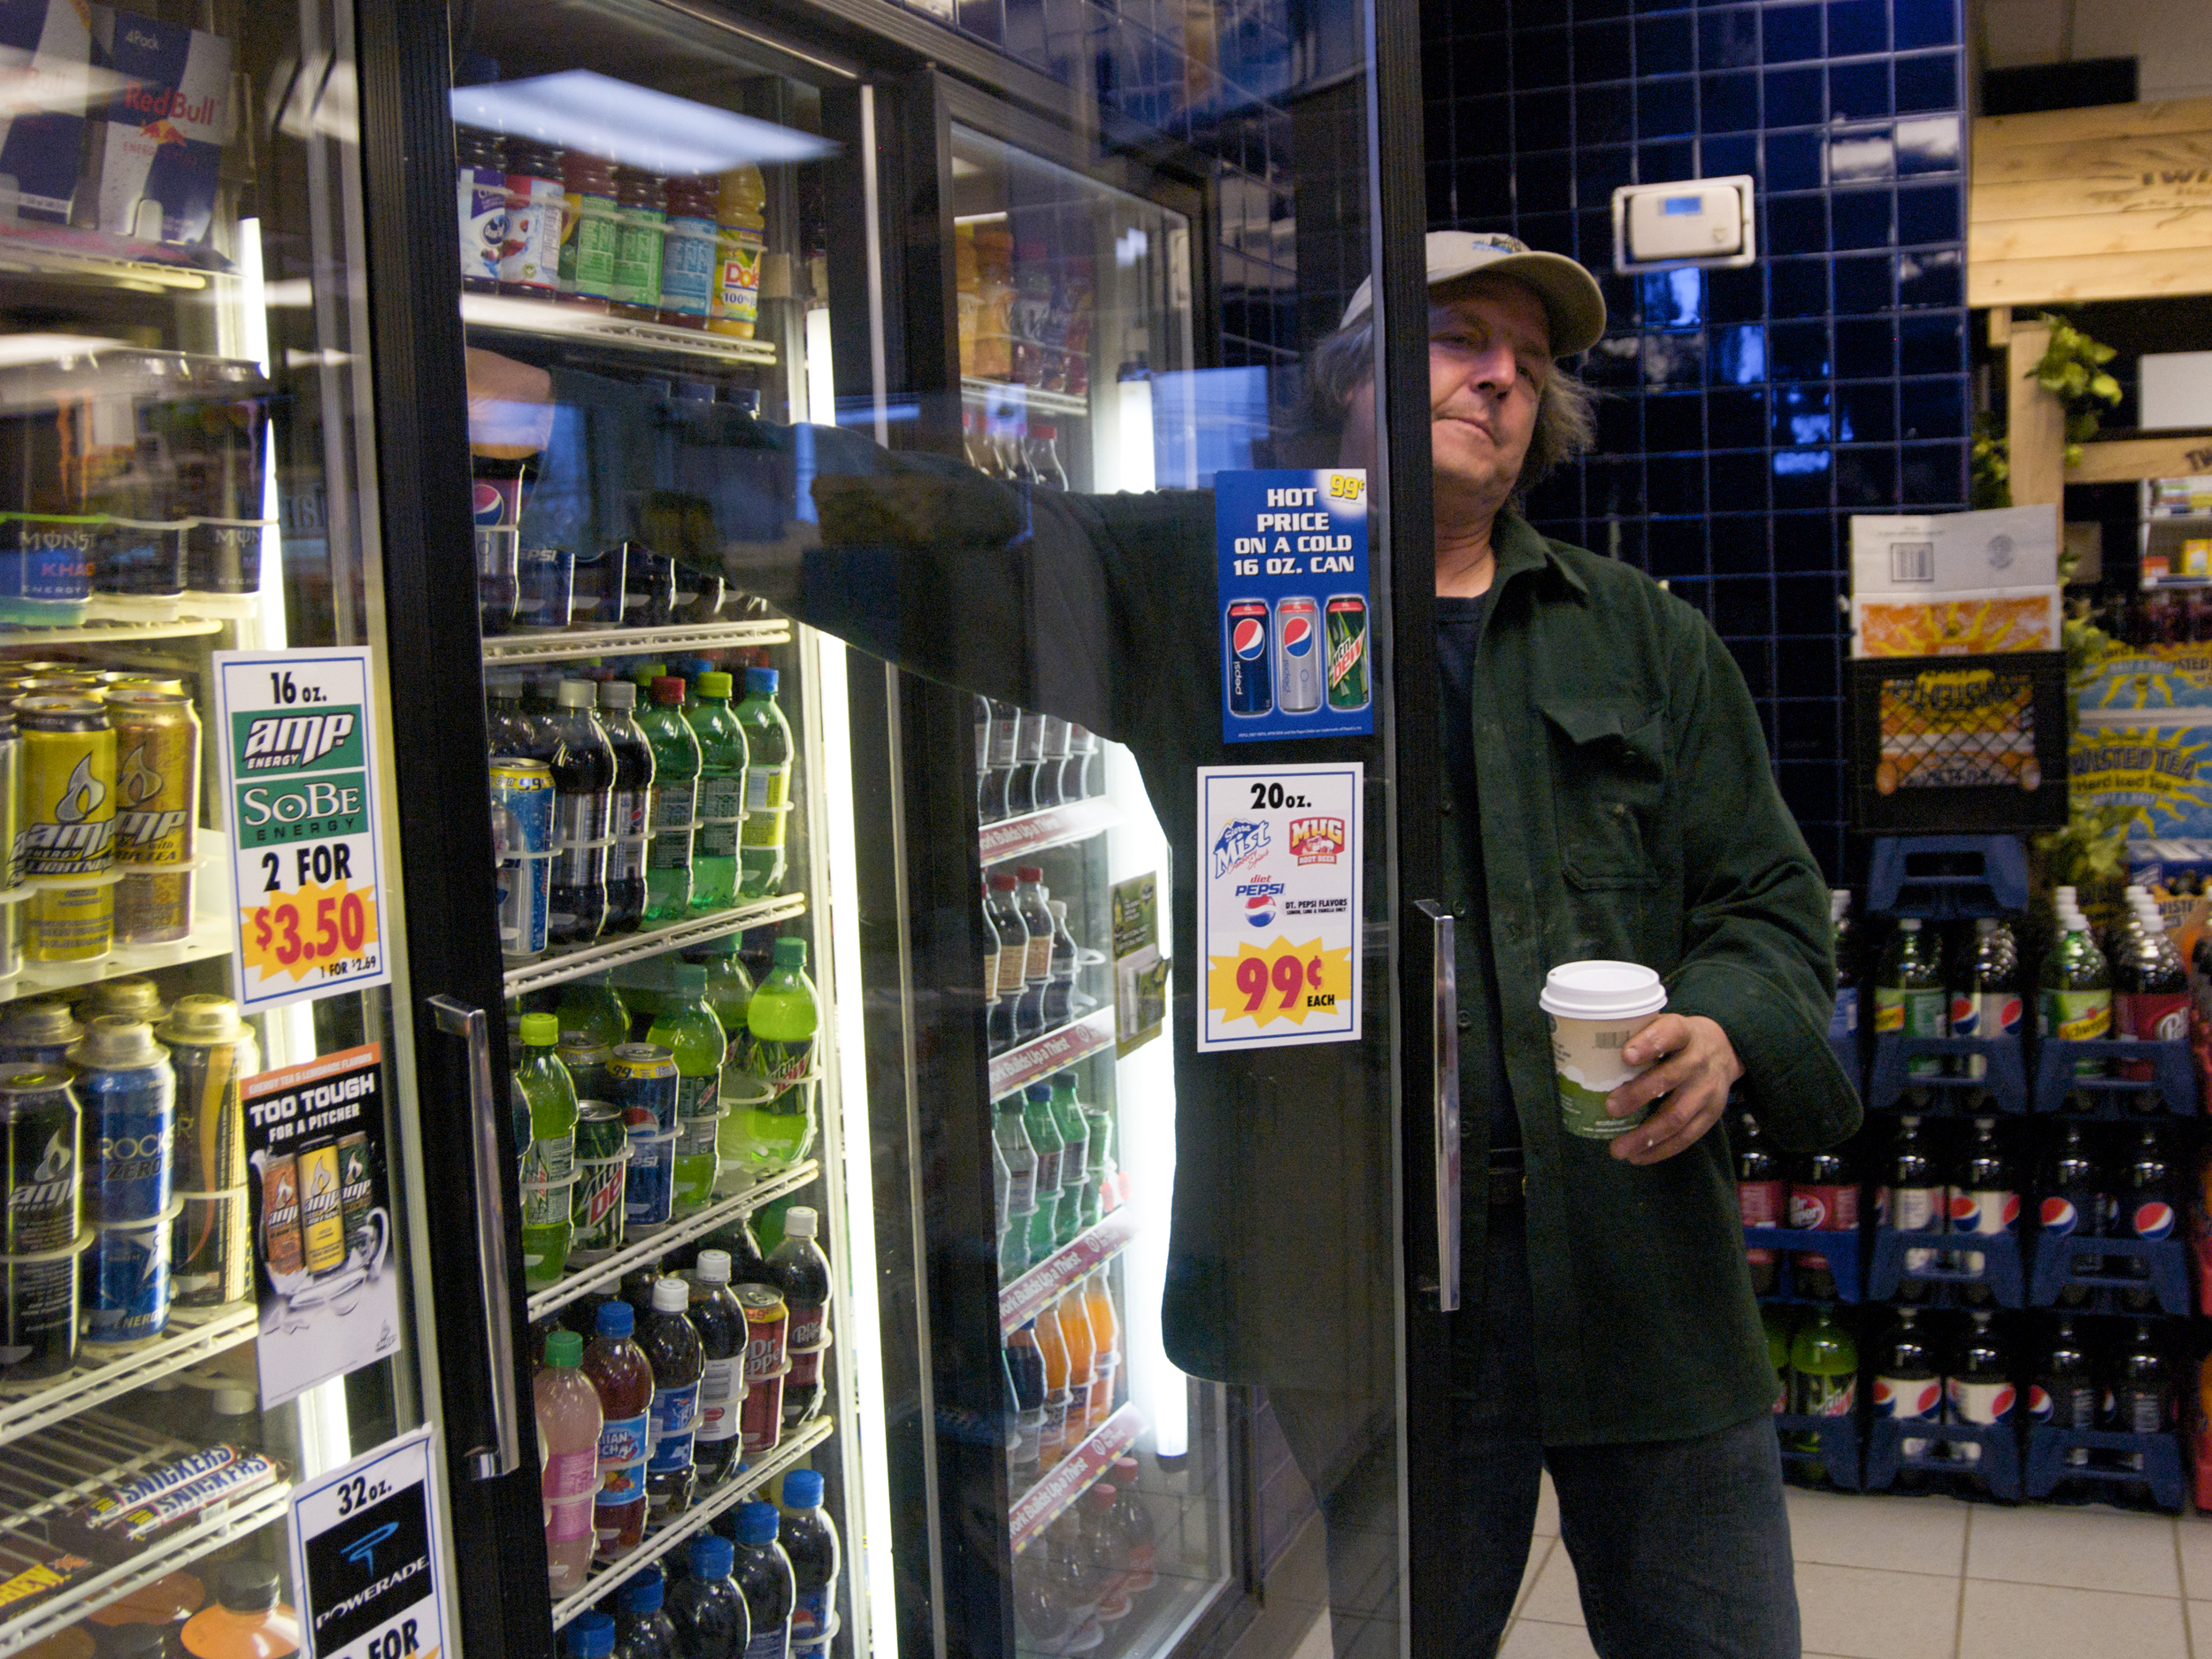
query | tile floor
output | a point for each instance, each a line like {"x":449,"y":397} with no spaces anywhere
{"x":1931,"y":1578}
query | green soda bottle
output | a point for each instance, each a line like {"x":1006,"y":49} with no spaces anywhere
{"x":1909,"y":999}
{"x":595,"y":1006}
{"x":687,"y":1026}
{"x":1075,"y":1159}
{"x":1103,"y":1168}
{"x":548,"y":1162}
{"x":721,"y":800}
{"x":2075,"y":986}
{"x":675,"y":803}
{"x":729,"y":987}
{"x":1824,"y":1361}
{"x":778,"y":1052}
{"x":1044,"y":1134}
{"x":767,"y":786}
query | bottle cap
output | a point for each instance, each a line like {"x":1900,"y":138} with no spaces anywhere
{"x":1029,"y":873}
{"x":46,"y":1021}
{"x":712,"y":1267}
{"x":233,"y":1402}
{"x":135,"y":1641}
{"x":540,"y":1030}
{"x":644,"y":1594}
{"x":246,"y":1586}
{"x":800,"y":1221}
{"x":564,"y":1348}
{"x":618,"y":694}
{"x":760,"y":682}
{"x":615,"y":1318}
{"x":1908,"y":923}
{"x":577,"y":693}
{"x":714,"y":685}
{"x":591,"y":1636}
{"x":669,"y":691}
{"x":671,"y":1295}
{"x":1059,"y":909}
{"x":1038,"y":1093}
{"x":756,"y":1523}
{"x":803,"y":1489}
{"x":1100,"y":1497}
{"x":713,"y":1556}
{"x":132,"y":998}
{"x":791,"y":953}
{"x":1002,"y":881}
{"x":112,"y":1042}
{"x":691,"y":979}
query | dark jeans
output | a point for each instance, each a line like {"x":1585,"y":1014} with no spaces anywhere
{"x":1681,"y":1548}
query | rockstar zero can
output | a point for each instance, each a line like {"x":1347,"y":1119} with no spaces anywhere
{"x":156,"y":812}
{"x":68,"y":827}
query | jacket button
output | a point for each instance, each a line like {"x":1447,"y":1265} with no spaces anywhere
{"x":1466,"y":1020}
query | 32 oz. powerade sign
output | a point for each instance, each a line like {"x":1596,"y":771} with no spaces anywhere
{"x":1297,"y":657}
{"x":365,"y":1554}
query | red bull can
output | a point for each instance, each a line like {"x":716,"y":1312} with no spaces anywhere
{"x":1298,"y":669}
{"x":1350,"y":686}
{"x":522,"y":839}
{"x":1251,"y":674}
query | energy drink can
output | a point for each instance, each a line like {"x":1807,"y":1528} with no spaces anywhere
{"x":280,"y":1246}
{"x":1350,"y":686}
{"x":68,"y":837}
{"x":210,"y":1049}
{"x":42,"y":1185}
{"x":210,"y":1258}
{"x":356,"y":1184}
{"x":39,"y":1032}
{"x":127,"y":1283}
{"x":222,"y":541}
{"x":131,"y":998}
{"x":1298,"y":674}
{"x":767,"y":1361}
{"x":596,"y":1200}
{"x":158,"y":812}
{"x":128,"y":1095}
{"x":641,"y":1078}
{"x":586,"y":1058}
{"x":322,"y":1208}
{"x":522,"y":839}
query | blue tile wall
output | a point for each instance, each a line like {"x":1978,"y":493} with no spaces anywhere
{"x":1748,"y":413}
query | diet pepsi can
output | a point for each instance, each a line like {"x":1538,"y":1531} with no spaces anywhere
{"x":1251,"y":674}
{"x":1298,"y":675}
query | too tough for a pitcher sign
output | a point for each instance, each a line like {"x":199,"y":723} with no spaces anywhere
{"x":1279,"y":919}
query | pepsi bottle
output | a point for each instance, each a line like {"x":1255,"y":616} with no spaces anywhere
{"x":2064,"y":1395}
{"x":1907,"y":1385}
{"x":1985,"y":1200}
{"x":2077,"y":1206}
{"x":1826,"y":1200}
{"x":1914,"y":1199}
{"x":2138,"y":1401}
{"x":1004,"y":726}
{"x":2149,"y":1212}
{"x":1977,"y":1391}
{"x":1985,"y":990}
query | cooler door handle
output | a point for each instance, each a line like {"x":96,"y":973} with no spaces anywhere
{"x":1444,"y":1081}
{"x":489,"y":1463}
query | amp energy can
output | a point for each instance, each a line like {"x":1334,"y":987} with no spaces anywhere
{"x":128,"y":1094}
{"x":1298,"y":672}
{"x":209,"y":1049}
{"x":322,"y":1208}
{"x":157,"y":813}
{"x":42,"y":1188}
{"x":280,"y":1246}
{"x":522,"y":839}
{"x":68,"y":838}
{"x":357,"y":1185}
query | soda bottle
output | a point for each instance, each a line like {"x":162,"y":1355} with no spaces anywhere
{"x":1775,"y":1321}
{"x":2150,"y":1000}
{"x":1066,"y":964}
{"x":1075,"y":1579}
{"x":729,"y":987}
{"x":508,"y":730}
{"x":623,"y":1378}
{"x":810,"y":1542}
{"x":1053,"y":1442}
{"x":1761,"y":1195}
{"x":1075,"y":1331}
{"x":1824,"y":1200}
{"x":2075,"y":1003}
{"x":1977,"y":1391}
{"x":594,"y":1006}
{"x":1098,"y":1302}
{"x":1076,"y":781}
{"x":2078,"y":1204}
{"x":763,"y":1574}
{"x":1010,"y":1132}
{"x":803,"y":1273}
{"x":706,"y":1607}
{"x":1986,"y":1199}
{"x":1844,"y":1020}
{"x":778,"y":1052}
{"x":1003,"y":922}
{"x":687,"y":1026}
{"x":748,"y":1264}
{"x":1021,"y":779}
{"x":721,"y":798}
{"x":2138,"y":1402}
{"x":1137,"y":1527}
{"x":583,"y":805}
{"x":1075,"y":1142}
{"x":548,"y":1159}
{"x":720,"y":1322}
{"x":672,"y":1349}
{"x":247,"y":1621}
{"x":1105,"y":1169}
{"x":2064,"y":1395}
{"x":1914,"y":1199}
{"x":1025,"y":1376}
{"x":1044,"y":1134}
{"x":1985,"y":989}
{"x":1107,"y":1547}
{"x":2149,"y":1211}
{"x":1052,"y":763}
{"x":569,"y":1422}
{"x":1908,"y":999}
{"x":1029,"y":899}
{"x":1003,"y":722}
{"x":631,"y":815}
{"x":668,"y":879}
{"x":642,"y":1629}
{"x":591,"y":1636}
{"x":767,"y":786}
{"x":1906,"y":1385}
{"x":1825,"y":1362}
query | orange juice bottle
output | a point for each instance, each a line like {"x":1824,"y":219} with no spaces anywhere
{"x":1075,"y":1330}
{"x":1055,"y":1442}
{"x":247,"y":1621}
{"x":1098,"y":1301}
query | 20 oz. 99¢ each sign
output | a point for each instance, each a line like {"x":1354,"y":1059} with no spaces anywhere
{"x":298,"y":755}
{"x":1279,"y":915}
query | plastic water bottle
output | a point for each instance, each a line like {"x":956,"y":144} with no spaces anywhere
{"x":675,"y":803}
{"x":722,"y":773}
{"x":767,"y":786}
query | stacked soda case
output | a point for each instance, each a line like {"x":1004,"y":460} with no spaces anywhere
{"x":1025,"y":762}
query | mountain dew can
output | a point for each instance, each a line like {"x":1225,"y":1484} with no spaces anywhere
{"x":1350,"y":686}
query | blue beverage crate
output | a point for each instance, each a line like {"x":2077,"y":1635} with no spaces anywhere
{"x":2168,"y":1277}
{"x":1844,"y":1251}
{"x":2002,"y":1266}
{"x":1839,"y":1447}
{"x":1846,"y":1048}
{"x":2005,"y":1084}
{"x":2160,"y":1453}
{"x":1993,"y":880}
{"x":2174,"y":1082}
{"x":1997,"y":1466}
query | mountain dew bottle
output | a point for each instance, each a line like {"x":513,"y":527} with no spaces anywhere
{"x":686,"y":1026}
{"x":721,"y":802}
{"x":767,"y":786}
{"x":1075,"y":1182}
{"x":675,"y":803}
{"x":594,"y":1005}
{"x":548,"y":1161}
{"x":778,"y":1051}
{"x":729,"y":987}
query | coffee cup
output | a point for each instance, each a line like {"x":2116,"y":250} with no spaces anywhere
{"x":1595,"y":1007}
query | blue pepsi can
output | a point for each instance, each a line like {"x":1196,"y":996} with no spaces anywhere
{"x":642,"y":1079}
{"x":127,"y":1283}
{"x":648,"y":1179}
{"x":128,"y":1094}
{"x":1251,"y":669}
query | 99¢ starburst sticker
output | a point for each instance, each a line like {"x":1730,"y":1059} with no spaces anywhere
{"x":1279,"y":919}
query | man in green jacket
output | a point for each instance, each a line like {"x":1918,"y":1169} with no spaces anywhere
{"x":1609,"y":796}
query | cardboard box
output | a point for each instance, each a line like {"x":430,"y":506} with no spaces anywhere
{"x":160,"y":144}
{"x":47,"y":75}
{"x":1955,"y":584}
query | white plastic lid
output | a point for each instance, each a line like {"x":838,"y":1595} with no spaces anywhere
{"x":799,"y":1222}
{"x":2066,"y":895}
{"x":1985,"y":923}
{"x":1059,"y":909}
{"x":578,"y":694}
{"x":1839,"y":901}
{"x":671,"y":1295}
{"x":1602,"y":990}
{"x":1908,"y":923}
{"x":713,"y":1267}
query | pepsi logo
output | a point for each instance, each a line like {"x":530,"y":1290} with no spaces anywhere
{"x":1297,"y":636}
{"x":1259,"y":909}
{"x":1249,"y":638}
{"x":2153,"y":1221}
{"x":491,"y":506}
{"x":1896,"y":1397}
{"x":2041,"y":1407}
{"x":2008,"y":1014}
{"x":1964,"y":1016}
{"x":2059,"y":1216}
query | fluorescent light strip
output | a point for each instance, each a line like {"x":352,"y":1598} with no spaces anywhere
{"x":635,"y":126}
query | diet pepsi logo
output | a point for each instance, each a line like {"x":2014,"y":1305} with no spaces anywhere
{"x":1249,"y":638}
{"x":2060,"y":1218}
{"x":1298,"y":632}
{"x":1985,"y":1212}
{"x":2154,"y":1220}
{"x":1260,"y":902}
{"x":1905,"y":1397}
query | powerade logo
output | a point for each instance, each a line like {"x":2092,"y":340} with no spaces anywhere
{"x":1241,"y":842}
{"x":1298,"y":632}
{"x":1259,"y":900}
{"x":1249,"y":638}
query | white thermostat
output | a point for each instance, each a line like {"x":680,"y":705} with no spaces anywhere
{"x":1697,"y":222}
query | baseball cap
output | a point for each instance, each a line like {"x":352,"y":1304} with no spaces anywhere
{"x":1572,"y":299}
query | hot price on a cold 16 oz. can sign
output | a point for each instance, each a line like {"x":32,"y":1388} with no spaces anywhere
{"x":1279,"y":852}
{"x":298,"y":761}
{"x":1297,"y":657}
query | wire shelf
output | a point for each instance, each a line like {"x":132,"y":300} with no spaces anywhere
{"x":540,"y":320}
{"x":654,"y":941}
{"x":194,"y":1334}
{"x":574,"y":644}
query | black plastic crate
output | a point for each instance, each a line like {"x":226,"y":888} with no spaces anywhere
{"x":1958,"y":744}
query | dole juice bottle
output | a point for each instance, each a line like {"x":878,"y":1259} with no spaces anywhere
{"x":623,"y":1378}
{"x":569,"y":1425}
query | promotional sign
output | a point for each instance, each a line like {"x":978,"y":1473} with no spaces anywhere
{"x":1278,"y":920}
{"x":298,"y":760}
{"x":325,"y":1279}
{"x":365,"y":1556}
{"x":1296,"y":654}
{"x":1140,"y":970}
